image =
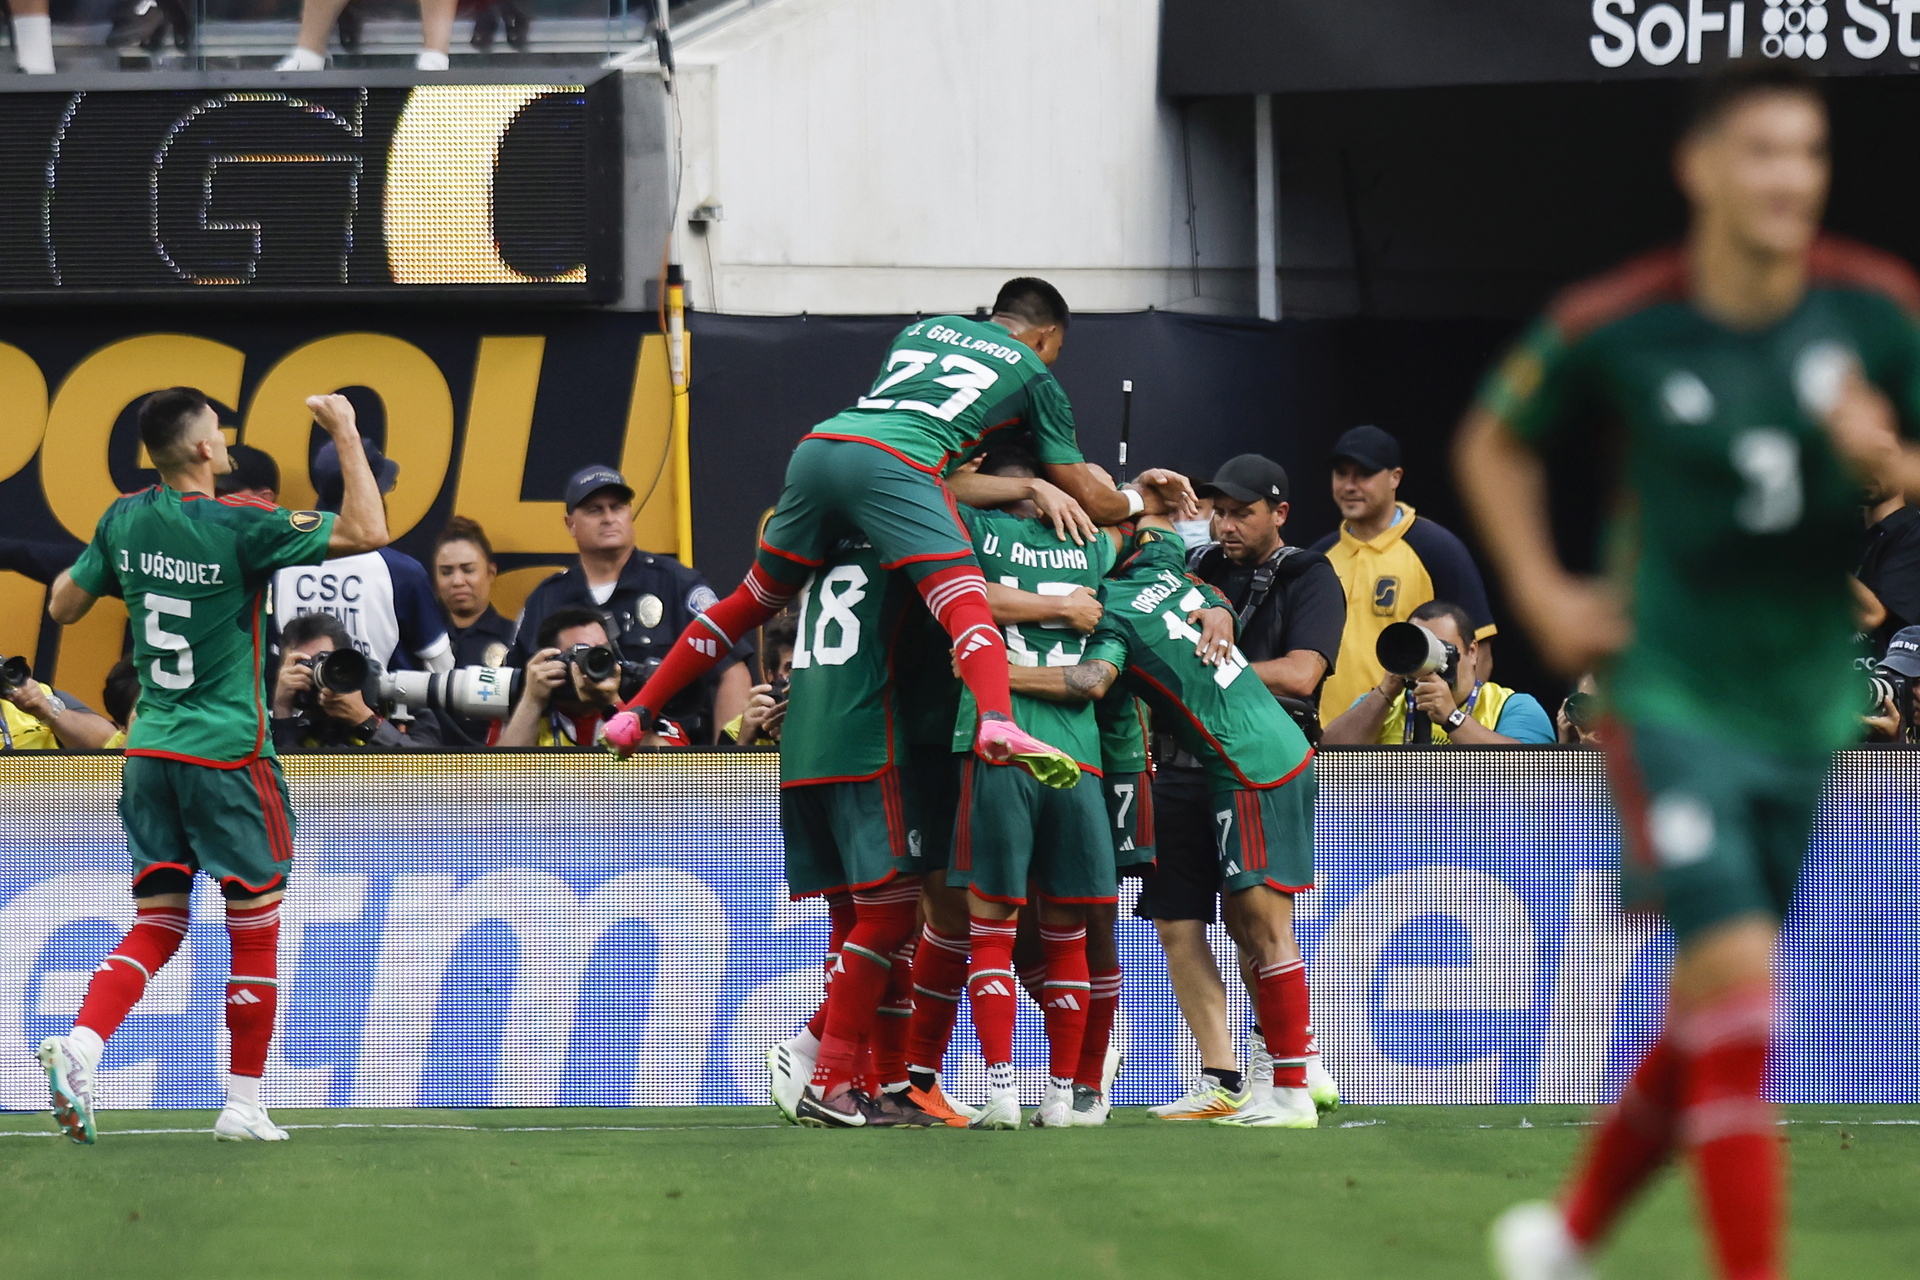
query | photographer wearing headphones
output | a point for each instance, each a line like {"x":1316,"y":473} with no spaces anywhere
{"x":572,"y":686}
{"x":309,"y":717}
{"x":1449,"y":704}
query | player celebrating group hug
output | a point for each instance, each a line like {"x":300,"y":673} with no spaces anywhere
{"x":1000,"y":813}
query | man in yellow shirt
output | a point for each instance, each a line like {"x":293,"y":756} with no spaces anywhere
{"x":1456,"y":703}
{"x":35,"y":718}
{"x":1391,"y":562}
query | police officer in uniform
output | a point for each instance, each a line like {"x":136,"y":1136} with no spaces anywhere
{"x":1292,"y":612}
{"x":649,"y":599}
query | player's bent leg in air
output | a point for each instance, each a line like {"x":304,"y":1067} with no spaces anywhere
{"x":790,"y":1062}
{"x":253,"y":930}
{"x":72,"y":1061}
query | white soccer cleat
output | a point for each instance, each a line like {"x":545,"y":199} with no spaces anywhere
{"x":1110,"y":1069}
{"x":1090,"y":1107}
{"x":1206,"y":1100}
{"x":70,"y":1079}
{"x":1324,"y":1088}
{"x":1001,"y":1112}
{"x":247,"y":1122}
{"x":1056,"y":1108}
{"x":1282,"y":1109}
{"x":1530,"y":1242}
{"x":788,"y":1073}
{"x":1259,"y":1068}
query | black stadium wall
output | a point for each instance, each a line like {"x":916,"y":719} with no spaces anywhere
{"x":489,"y":412}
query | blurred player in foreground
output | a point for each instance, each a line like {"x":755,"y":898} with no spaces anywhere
{"x":947,"y":385}
{"x":1741,"y":382}
{"x":201,"y":790}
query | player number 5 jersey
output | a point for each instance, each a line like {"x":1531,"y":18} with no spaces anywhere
{"x":192,"y":570}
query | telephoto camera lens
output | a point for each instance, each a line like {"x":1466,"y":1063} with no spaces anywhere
{"x":1412,"y":651}
{"x":14,"y":672}
{"x":1583,"y":709}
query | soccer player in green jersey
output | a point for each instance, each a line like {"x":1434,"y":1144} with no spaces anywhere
{"x":948,"y":386}
{"x":1262,"y":773}
{"x":847,"y":819}
{"x":201,"y":790}
{"x":1740,"y":386}
{"x":1011,"y":830}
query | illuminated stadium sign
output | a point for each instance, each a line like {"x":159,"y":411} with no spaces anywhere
{"x":311,"y":188}
{"x":532,"y":929}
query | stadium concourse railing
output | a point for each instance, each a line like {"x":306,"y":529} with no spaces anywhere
{"x":523,"y":928}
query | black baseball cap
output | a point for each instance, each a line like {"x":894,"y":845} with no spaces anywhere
{"x":252,"y":469}
{"x":590,"y":480}
{"x":1247,"y":478}
{"x":330,"y":487}
{"x":1371,"y":447}
{"x":1903,"y":652}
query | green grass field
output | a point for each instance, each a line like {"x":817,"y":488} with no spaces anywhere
{"x":726,"y":1191}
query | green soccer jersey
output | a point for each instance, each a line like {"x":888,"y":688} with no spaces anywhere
{"x":843,"y":721}
{"x":1029,"y":555}
{"x":1123,"y":732}
{"x":948,"y":386}
{"x":1734,"y":523}
{"x":193,"y":571}
{"x":1223,"y":715}
{"x":929,"y":691}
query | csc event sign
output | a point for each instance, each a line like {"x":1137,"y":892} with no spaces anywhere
{"x":487,"y":414}
{"x":548,"y":929}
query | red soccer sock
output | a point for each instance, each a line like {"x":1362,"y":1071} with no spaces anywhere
{"x":1728,"y":1129}
{"x":895,"y":1018}
{"x":1284,"y":1014}
{"x":711,"y":637}
{"x":1103,"y":1000}
{"x":958,"y":598}
{"x":883,"y":922}
{"x":991,"y":987}
{"x":253,"y":985}
{"x":122,"y":977}
{"x":1635,"y":1139}
{"x":840,"y":915}
{"x":1064,"y":997}
{"x":939,"y":976}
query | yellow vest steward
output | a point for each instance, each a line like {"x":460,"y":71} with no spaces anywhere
{"x":1486,"y":712}
{"x":1385,"y":581}
{"x":25,"y":732}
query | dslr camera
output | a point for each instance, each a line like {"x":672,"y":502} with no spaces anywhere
{"x":1885,"y":684}
{"x":14,"y":674}
{"x":1410,"y":651}
{"x":479,"y":693}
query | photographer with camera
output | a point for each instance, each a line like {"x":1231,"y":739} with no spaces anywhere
{"x":310,"y":709}
{"x":1430,"y":693}
{"x":1578,"y":721}
{"x":759,"y":725}
{"x":34,"y":717}
{"x":1894,"y":691}
{"x":572,"y":686}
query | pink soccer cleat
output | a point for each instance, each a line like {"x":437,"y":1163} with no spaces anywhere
{"x":624,"y":731}
{"x":1004,"y":742}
